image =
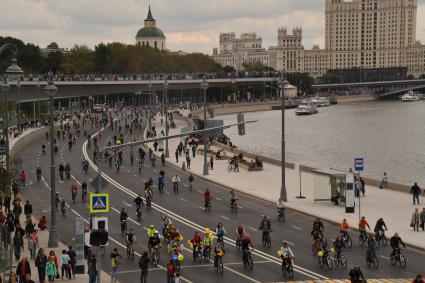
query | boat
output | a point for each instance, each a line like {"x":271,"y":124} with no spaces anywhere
{"x":306,"y":108}
{"x":409,"y":96}
{"x":321,"y":101}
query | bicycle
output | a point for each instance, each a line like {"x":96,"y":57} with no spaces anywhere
{"x":176,"y":188}
{"x":267,"y":241}
{"x":207,"y":254}
{"x":325,"y":260}
{"x":348,"y":242}
{"x":287,"y":268}
{"x":219,"y":267}
{"x":155,"y":257}
{"x":371,"y":258}
{"x":130,"y":251}
{"x":381,"y":238}
{"x":281,"y":214}
{"x":139,"y":214}
{"x":362,"y":237}
{"x":397,"y":256}
{"x":230,"y":167}
{"x":124,"y":227}
{"x":208,"y":206}
{"x":140,"y":167}
{"x":233,"y":206}
{"x":197,"y":253}
{"x":340,"y":260}
{"x":248,"y":263}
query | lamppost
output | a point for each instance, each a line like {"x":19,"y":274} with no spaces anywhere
{"x":204,"y":87}
{"x":282,"y":83}
{"x":51,"y":91}
{"x":165,"y":98}
{"x":150,"y":105}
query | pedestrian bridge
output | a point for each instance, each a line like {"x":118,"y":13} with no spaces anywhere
{"x":26,"y":91}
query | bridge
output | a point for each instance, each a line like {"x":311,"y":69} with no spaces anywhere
{"x":382,"y":89}
{"x":27,"y":91}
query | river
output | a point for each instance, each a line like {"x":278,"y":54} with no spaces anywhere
{"x":389,"y":135}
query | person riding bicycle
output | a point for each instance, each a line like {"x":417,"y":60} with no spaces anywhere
{"x":286,"y":253}
{"x":74,"y":190}
{"x":148,"y":195}
{"x":85,"y":164}
{"x":130,"y":238}
{"x":176,"y":181}
{"x":83,"y":191}
{"x":345,"y":227}
{"x":280,"y":206}
{"x":379,"y":226}
{"x":207,"y":241}
{"x":220,"y":232}
{"x":265,"y":226}
{"x":232,"y":198}
{"x":38,"y":173}
{"x":355,"y":275}
{"x":207,"y":197}
{"x":154,"y":243}
{"x":371,"y":246}
{"x":395,"y":243}
{"x":43,"y":148}
{"x":246,"y":244}
{"x":139,"y":202}
{"x":362,"y":227}
{"x":318,"y":224}
{"x":339,"y":245}
{"x":190,"y":179}
{"x":324,"y":245}
{"x":218,"y":251}
{"x":165,"y":222}
{"x":151,"y":231}
{"x":240,"y":234}
{"x":196,"y":242}
{"x":123,"y":219}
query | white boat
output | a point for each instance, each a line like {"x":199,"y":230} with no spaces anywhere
{"x":321,"y":101}
{"x":306,"y":108}
{"x":409,"y":96}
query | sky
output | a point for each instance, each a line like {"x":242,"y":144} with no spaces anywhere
{"x":189,"y":25}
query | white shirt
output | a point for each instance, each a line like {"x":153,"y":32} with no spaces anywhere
{"x":286,"y":252}
{"x":176,"y":179}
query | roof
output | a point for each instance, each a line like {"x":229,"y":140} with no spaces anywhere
{"x":150,"y":18}
{"x":150,"y":32}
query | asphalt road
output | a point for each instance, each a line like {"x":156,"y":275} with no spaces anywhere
{"x":188,"y":215}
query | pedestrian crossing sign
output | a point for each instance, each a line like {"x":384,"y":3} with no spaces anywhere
{"x":99,"y":203}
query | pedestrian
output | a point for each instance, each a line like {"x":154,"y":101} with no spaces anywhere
{"x":28,"y":279}
{"x":33,"y":243}
{"x":42,"y":224}
{"x":55,"y":260}
{"x":114,"y":264}
{"x":363,"y":187}
{"x":28,"y":210}
{"x":422,"y":216}
{"x":177,"y":155}
{"x":170,"y":271}
{"x":23,"y":269}
{"x":51,"y":270}
{"x":72,"y":260}
{"x":418,"y":279}
{"x":384,"y":181}
{"x":358,"y":187}
{"x":65,"y":265}
{"x":18,"y":244}
{"x":40,"y":263}
{"x":188,"y":162}
{"x":92,"y":271}
{"x":211,"y":163}
{"x":144,"y":265}
{"x":13,"y":278}
{"x":416,"y":192}
{"x":415,"y":220}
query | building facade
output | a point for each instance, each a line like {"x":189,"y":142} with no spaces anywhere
{"x":150,"y":35}
{"x":358,"y":34}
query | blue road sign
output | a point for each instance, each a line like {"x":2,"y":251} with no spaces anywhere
{"x":99,"y":203}
{"x":358,"y":164}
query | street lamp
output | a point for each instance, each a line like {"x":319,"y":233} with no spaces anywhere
{"x":282,"y":83}
{"x":165,"y":101}
{"x":204,"y":87}
{"x":51,"y":91}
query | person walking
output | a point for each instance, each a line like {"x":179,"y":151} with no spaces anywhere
{"x":51,"y":269}
{"x":144,"y":265}
{"x":40,"y":263}
{"x":18,"y":244}
{"x":23,"y":269}
{"x":415,"y":220}
{"x":28,"y":210}
{"x":92,"y":269}
{"x":72,"y":259}
{"x":114,"y":264}
{"x":33,"y":243}
{"x":177,"y":155}
{"x":65,"y":265}
{"x":211,"y":163}
{"x":422,"y":216}
{"x":416,"y":192}
{"x":384,"y":181}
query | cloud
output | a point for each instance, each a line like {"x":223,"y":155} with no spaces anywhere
{"x":190,"y":25}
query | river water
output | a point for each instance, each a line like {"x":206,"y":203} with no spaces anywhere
{"x":389,"y":135}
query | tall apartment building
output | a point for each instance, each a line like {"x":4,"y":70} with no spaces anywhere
{"x":359,"y":34}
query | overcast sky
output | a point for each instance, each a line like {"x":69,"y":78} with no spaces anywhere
{"x":189,"y":25}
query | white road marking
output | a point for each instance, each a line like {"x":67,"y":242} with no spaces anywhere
{"x":200,"y":191}
{"x":167,"y":192}
{"x":293,"y":244}
{"x":253,"y":229}
{"x":385,"y":257}
{"x":203,"y":208}
{"x":218,"y":198}
{"x":224,"y":217}
{"x":296,"y":227}
{"x":134,"y":175}
{"x":182,"y":199}
{"x":127,"y":204}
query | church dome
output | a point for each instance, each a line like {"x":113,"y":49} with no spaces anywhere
{"x":150,"y":32}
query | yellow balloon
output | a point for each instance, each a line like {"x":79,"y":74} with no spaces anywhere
{"x":332,"y":250}
{"x":181,"y":238}
{"x":320,"y":254}
{"x":180,"y":257}
{"x":279,"y":253}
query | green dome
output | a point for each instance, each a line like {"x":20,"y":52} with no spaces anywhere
{"x":150,"y":32}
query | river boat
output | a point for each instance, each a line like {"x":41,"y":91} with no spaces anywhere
{"x":409,"y":97}
{"x":306,"y":108}
{"x":321,"y":101}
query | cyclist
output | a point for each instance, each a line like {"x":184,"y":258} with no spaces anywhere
{"x":43,"y":148}
{"x":317,"y":224}
{"x":130,"y":239}
{"x":362,"y":227}
{"x":218,"y":250}
{"x":220,"y":233}
{"x":395,"y":242}
{"x":190,"y":179}
{"x":265,"y":226}
{"x":280,"y":206}
{"x":161,"y":180}
{"x":68,"y":170}
{"x":345,"y":227}
{"x":286,"y":253}
{"x":83,"y":191}
{"x":245,"y":245}
{"x":138,"y":201}
{"x":379,"y":227}
{"x":165,"y":222}
{"x":355,"y":275}
{"x":324,"y":245}
{"x":123,"y":220}
{"x":207,"y":242}
{"x":85,"y":165}
{"x":339,"y":245}
{"x":176,"y":181}
{"x":240,"y":234}
{"x":61,"y":170}
{"x":154,"y":243}
{"x":207,"y":197}
{"x":38,"y":173}
{"x":148,"y":195}
{"x":196,"y":242}
{"x":371,"y":246}
{"x":151,"y":231}
{"x":74,"y":190}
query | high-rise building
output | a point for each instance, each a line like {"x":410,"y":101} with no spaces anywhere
{"x":359,"y":34}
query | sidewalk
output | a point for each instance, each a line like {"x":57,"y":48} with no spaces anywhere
{"x":395,"y":207}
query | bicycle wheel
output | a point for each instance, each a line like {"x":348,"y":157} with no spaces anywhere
{"x":199,"y":257}
{"x":283,"y":267}
{"x":384,"y":241}
{"x":128,"y":253}
{"x":403,"y":261}
{"x":220,"y":265}
{"x":177,"y":266}
{"x":393,"y":259}
{"x":229,"y":168}
{"x":336,"y":260}
{"x":375,"y":262}
{"x":343,"y":262}
{"x":329,"y":263}
{"x":132,"y":253}
{"x":250,"y":262}
{"x":321,"y":262}
{"x":290,"y":271}
{"x":268,"y":242}
{"x":349,"y":242}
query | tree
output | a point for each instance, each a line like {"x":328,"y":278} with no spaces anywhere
{"x":302,"y":81}
{"x":255,"y":66}
{"x":80,"y":60}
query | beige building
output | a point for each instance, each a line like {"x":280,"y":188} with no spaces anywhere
{"x":150,"y":35}
{"x":359,"y":34}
